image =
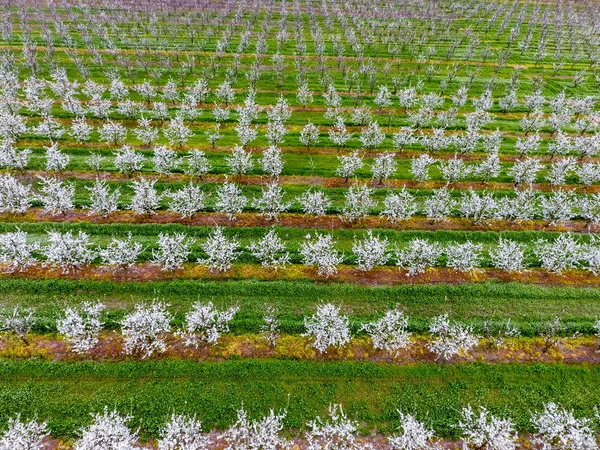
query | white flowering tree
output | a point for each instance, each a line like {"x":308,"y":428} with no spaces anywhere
{"x":439,"y":206}
{"x":485,"y":431}
{"x":270,"y":251}
{"x":399,"y":206}
{"x":56,"y":160}
{"x":56,"y":195}
{"x":337,"y":432}
{"x":173,"y":250}
{"x":183,"y":433}
{"x":413,"y":435}
{"x":349,"y":164}
{"x":464,"y":256}
{"x":265,"y":433}
{"x":418,"y":256}
{"x":108,"y":431}
{"x":309,"y":135}
{"x":128,"y":160}
{"x":271,"y":161}
{"x":419,"y":167}
{"x":558,"y":428}
{"x":561,"y":254}
{"x":314,"y":202}
{"x":197,"y":164}
{"x":450,"y":339}
{"x":383,"y":166}
{"x":16,"y":253}
{"x":358,"y":203}
{"x":145,"y":199}
{"x":220,"y":251}
{"x":144,"y":329}
{"x":327,"y":328}
{"x":370,"y":251}
{"x":508,"y":255}
{"x":240,"y":161}
{"x":120,"y":253}
{"x":230,"y":199}
{"x":270,"y":203}
{"x":177,"y":133}
{"x":18,"y":321}
{"x":372,"y":136}
{"x":68,"y":251}
{"x":103,"y":201}
{"x":164,"y":159}
{"x":15,"y":197}
{"x":390,"y":333}
{"x":319,"y":251}
{"x":24,"y":435}
{"x":188,"y":200}
{"x":112,"y":132}
{"x":81,"y":326}
{"x":205,"y":324}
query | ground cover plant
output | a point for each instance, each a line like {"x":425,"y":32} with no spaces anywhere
{"x":299,"y":224}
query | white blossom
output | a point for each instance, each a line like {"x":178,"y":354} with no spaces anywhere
{"x":81,"y":326}
{"x":183,"y":433}
{"x":230,"y":199}
{"x":450,"y":339}
{"x":24,"y":435}
{"x":314,"y":202}
{"x":240,"y":161}
{"x":270,"y":251}
{"x":197,"y":163}
{"x":68,"y":251}
{"x":120,"y":253}
{"x":263,"y":434}
{"x":205,"y":324}
{"x":508,"y":255}
{"x":188,"y":200}
{"x":15,"y":252}
{"x":145,"y":199}
{"x":418,"y":256}
{"x":145,"y":328}
{"x":164,"y":160}
{"x":128,"y":160}
{"x":319,"y":251}
{"x":103,"y":200}
{"x":390,"y":333}
{"x":357,"y":202}
{"x":173,"y":250}
{"x":558,"y":428}
{"x":220,"y":251}
{"x":370,"y":251}
{"x":486,"y":431}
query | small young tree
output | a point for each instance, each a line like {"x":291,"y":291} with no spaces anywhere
{"x":22,"y":435}
{"x":557,"y":427}
{"x":349,"y":164}
{"x":390,"y":333}
{"x":271,"y":161}
{"x":81,"y":326}
{"x":164,"y":160}
{"x":260,"y":434}
{"x":188,"y":200}
{"x":16,"y":254}
{"x":128,"y":161}
{"x":508,"y":255}
{"x":18,"y":321}
{"x":270,"y":329}
{"x":120,"y":253}
{"x":183,"y":433}
{"x":439,"y":206}
{"x":103,"y":200}
{"x":108,"y":431}
{"x":314,"y":202}
{"x":372,"y":136}
{"x":112,"y":132}
{"x":145,"y":199}
{"x":270,"y":203}
{"x":418,"y":256}
{"x":338,"y":133}
{"x":67,"y":251}
{"x":145,"y":132}
{"x":400,"y":206}
{"x":450,"y":339}
{"x":327,"y":328}
{"x":414,"y":435}
{"x":270,"y":251}
{"x":220,"y":251}
{"x":145,"y":328}
{"x":484,"y":431}
{"x":230,"y":199}
{"x":205,"y":325}
{"x":464,"y":257}
{"x":370,"y":251}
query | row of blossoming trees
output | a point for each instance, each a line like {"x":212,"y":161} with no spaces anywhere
{"x":145,"y":329}
{"x":556,"y":428}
